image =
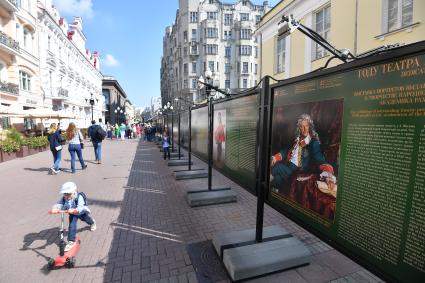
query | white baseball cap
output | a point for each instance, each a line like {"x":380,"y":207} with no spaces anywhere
{"x":68,"y":188}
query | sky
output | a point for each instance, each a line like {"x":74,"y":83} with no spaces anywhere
{"x":128,"y":36}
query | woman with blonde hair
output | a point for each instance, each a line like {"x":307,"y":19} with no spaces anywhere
{"x":75,"y":138}
{"x":55,"y":139}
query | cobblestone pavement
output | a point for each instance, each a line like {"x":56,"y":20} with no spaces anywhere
{"x":144,"y":223}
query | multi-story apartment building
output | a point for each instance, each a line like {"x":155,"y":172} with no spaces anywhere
{"x":115,"y":100}
{"x":19,"y":60}
{"x":210,"y":35}
{"x":354,"y":24}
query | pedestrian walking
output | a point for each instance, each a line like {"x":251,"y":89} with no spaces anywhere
{"x":76,"y":204}
{"x":97,"y":134}
{"x":55,"y":141}
{"x":117,"y":131}
{"x":122,"y":131}
{"x":109,"y":130}
{"x":75,"y":139}
{"x":166,"y":145}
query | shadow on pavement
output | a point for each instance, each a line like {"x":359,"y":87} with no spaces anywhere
{"x":41,"y":169}
{"x":104,"y":203}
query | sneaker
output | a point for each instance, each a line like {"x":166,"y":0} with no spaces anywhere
{"x":84,"y":167}
{"x":93,"y":227}
{"x":69,"y":246}
{"x":99,"y":162}
{"x":53,"y":171}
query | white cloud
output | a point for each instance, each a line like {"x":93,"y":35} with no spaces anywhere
{"x":81,"y":8}
{"x":110,"y":61}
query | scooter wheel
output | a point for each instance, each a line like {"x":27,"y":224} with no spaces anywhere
{"x":50,"y":263}
{"x":70,"y":262}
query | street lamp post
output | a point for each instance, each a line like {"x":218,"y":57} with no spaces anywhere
{"x":91,"y":103}
{"x":208,"y":77}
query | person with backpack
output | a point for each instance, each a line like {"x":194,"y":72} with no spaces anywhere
{"x":76,"y":204}
{"x":97,"y":134}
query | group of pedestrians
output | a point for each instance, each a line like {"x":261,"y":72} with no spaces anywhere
{"x":123,"y":131}
{"x":75,"y":141}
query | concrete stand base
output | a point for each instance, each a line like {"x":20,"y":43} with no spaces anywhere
{"x":206,"y":197}
{"x":176,"y":154}
{"x":192,"y":174}
{"x":235,"y":239}
{"x":266,"y":257}
{"x":179,"y":162}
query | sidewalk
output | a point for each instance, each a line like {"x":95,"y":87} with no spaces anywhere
{"x":144,"y":224}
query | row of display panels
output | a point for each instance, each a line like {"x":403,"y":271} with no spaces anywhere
{"x":345,"y":157}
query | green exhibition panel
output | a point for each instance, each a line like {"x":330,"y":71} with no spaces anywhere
{"x":200,"y":132}
{"x":366,"y":129}
{"x":234,"y":139}
{"x":175,"y":118}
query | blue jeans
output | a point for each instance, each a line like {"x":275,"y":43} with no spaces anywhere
{"x":166,"y":152}
{"x":76,"y":148}
{"x":73,"y":218}
{"x":57,"y":156}
{"x":97,"y":150}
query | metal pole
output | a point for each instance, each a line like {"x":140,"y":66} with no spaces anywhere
{"x":91,"y":111}
{"x":210,"y":136}
{"x":190,"y":138}
{"x":172,"y":130}
{"x":179,"y":135}
{"x":262,"y":158}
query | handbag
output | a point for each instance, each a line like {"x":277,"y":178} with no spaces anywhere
{"x":82,"y":145}
{"x":59,"y":147}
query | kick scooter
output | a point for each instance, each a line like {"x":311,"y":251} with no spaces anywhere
{"x":66,"y":259}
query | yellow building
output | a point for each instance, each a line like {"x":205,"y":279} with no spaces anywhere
{"x":358,"y":25}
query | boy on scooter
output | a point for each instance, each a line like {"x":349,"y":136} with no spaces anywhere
{"x":76,"y":204}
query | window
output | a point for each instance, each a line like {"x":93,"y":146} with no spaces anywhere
{"x":280,"y":55}
{"x":185,"y":36}
{"x":227,"y":51}
{"x":185,"y":50}
{"x":5,"y":122}
{"x":24,"y":81}
{"x":211,"y":49}
{"x":245,"y":67}
{"x":185,"y":84}
{"x":227,"y":84}
{"x":211,"y":65}
{"x":245,"y":83}
{"x":255,"y":69}
{"x":323,"y":27}
{"x":194,"y":83}
{"x":245,"y":50}
{"x":228,"y":19}
{"x":193,"y":17}
{"x":212,"y":15}
{"x":257,"y":19}
{"x":194,"y":50}
{"x":399,"y":13}
{"x":227,"y":35}
{"x":211,"y":32}
{"x":193,"y":67}
{"x":244,"y":16}
{"x":255,"y":51}
{"x":245,"y":34}
{"x":193,"y":34}
{"x":227,"y":68}
{"x":49,"y":42}
{"x":185,"y":69}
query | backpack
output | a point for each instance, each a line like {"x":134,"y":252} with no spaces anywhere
{"x":84,"y":198}
{"x":100,"y":134}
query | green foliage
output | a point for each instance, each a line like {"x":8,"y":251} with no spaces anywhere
{"x":9,"y":145}
{"x":36,"y":142}
{"x":14,"y":135}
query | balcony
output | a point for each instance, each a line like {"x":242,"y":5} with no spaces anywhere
{"x":60,"y":94}
{"x":8,"y":43}
{"x":9,"y":88}
{"x":9,"y":5}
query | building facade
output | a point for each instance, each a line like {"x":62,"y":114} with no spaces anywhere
{"x":115,"y":101}
{"x":70,"y":73}
{"x":357,"y":25}
{"x":19,"y":60}
{"x":210,"y":35}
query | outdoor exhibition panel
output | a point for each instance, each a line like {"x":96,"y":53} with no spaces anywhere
{"x":184,"y":129}
{"x":200,"y":132}
{"x":168,"y":123}
{"x":175,"y":126}
{"x":235,"y":138}
{"x":369,"y":116}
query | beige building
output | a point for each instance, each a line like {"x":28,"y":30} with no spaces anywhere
{"x":359,"y":25}
{"x":19,"y":60}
